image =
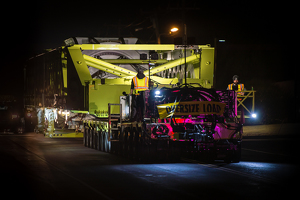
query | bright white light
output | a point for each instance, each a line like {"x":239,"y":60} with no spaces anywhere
{"x":253,"y":115}
{"x":174,"y":29}
{"x":157,"y":93}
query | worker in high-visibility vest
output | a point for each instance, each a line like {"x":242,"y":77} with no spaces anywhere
{"x":139,"y":84}
{"x":236,"y":86}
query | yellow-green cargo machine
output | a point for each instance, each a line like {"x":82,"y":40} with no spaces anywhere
{"x":91,"y":78}
{"x":73,"y":76}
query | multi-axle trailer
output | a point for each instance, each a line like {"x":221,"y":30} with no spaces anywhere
{"x":84,"y":84}
{"x":179,"y":122}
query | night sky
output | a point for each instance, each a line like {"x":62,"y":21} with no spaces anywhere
{"x":258,"y":34}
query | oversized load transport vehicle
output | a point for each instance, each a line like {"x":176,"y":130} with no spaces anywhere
{"x":94,"y":74}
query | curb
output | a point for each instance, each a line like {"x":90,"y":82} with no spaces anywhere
{"x":271,"y":129}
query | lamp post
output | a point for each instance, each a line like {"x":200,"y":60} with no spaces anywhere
{"x":172,"y":32}
{"x":185,"y":45}
{"x":216,"y":41}
{"x":154,"y":56}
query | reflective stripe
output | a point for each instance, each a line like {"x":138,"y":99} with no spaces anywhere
{"x":240,"y":87}
{"x":135,"y":82}
{"x":146,"y":81}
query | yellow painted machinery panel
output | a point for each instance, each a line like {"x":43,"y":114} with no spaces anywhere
{"x":101,"y":95}
{"x":207,"y":66}
{"x":80,"y":65}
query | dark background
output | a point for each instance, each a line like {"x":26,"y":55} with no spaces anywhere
{"x":260,"y":39}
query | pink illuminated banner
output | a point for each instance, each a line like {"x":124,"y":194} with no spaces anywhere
{"x":190,"y":108}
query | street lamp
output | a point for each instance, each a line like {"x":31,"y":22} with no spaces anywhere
{"x":173,"y":30}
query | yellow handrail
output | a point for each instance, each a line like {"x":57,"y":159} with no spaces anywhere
{"x":242,"y":96}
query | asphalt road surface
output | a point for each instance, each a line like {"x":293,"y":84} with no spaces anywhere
{"x":36,"y":167}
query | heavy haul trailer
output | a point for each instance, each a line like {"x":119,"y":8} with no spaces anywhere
{"x":93,"y":77}
{"x":179,"y":121}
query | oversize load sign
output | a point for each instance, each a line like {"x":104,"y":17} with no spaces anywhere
{"x":190,"y":108}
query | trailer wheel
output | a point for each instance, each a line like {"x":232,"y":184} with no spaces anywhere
{"x":227,"y":159}
{"x":85,"y":135}
{"x":236,"y":157}
{"x":101,"y":143}
{"x":125,"y":142}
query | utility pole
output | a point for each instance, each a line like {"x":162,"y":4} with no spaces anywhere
{"x":184,"y":40}
{"x":155,"y":26}
{"x":185,"y":45}
{"x":44,"y":82}
{"x":215,"y":63}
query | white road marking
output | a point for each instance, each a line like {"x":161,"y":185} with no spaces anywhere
{"x":265,"y":152}
{"x":248,"y":175}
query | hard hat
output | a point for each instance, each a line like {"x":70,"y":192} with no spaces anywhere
{"x":235,"y":77}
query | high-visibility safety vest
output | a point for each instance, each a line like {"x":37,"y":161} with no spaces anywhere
{"x":140,"y":84}
{"x":241,"y":87}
